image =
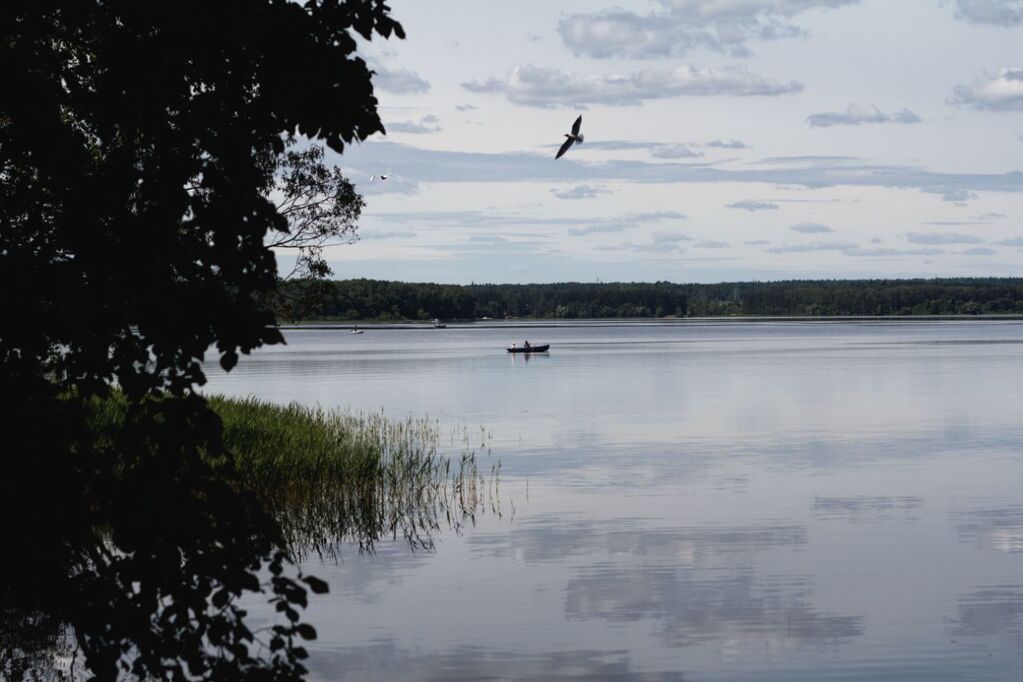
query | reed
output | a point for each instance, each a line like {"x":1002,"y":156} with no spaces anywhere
{"x":335,"y":477}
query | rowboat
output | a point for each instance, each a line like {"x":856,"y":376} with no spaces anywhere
{"x":531,"y":349}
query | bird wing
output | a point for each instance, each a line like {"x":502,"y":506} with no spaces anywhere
{"x":564,"y":147}
{"x":578,"y":124}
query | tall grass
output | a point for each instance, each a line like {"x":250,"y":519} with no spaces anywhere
{"x":333,"y":477}
{"x":336,"y":477}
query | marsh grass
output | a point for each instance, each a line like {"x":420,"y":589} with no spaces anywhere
{"x":334,"y":478}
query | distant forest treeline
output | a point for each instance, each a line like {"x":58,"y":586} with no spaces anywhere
{"x":366,"y":299}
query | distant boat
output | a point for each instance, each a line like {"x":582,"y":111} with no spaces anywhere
{"x":356,"y":330}
{"x":530,"y":349}
{"x":437,"y":324}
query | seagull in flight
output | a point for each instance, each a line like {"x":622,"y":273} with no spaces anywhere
{"x":574,"y":136}
{"x":374,"y":177}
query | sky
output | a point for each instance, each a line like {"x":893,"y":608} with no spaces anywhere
{"x":724,"y":140}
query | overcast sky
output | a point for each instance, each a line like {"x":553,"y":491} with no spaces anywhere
{"x":725,"y":140}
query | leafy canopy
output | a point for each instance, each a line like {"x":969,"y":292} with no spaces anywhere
{"x":137,"y":141}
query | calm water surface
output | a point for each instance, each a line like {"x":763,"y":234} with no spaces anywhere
{"x":697,"y":501}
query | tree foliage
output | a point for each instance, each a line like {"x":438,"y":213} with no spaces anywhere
{"x":364,"y":299}
{"x":137,"y":144}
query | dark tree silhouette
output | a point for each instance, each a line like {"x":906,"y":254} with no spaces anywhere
{"x":137,"y":142}
{"x":322,"y":209}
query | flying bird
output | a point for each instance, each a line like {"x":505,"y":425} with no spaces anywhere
{"x":374,"y":177}
{"x":574,"y":136}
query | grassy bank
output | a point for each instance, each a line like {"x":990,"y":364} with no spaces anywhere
{"x":334,"y":477}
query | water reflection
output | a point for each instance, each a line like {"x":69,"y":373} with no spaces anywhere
{"x":995,"y":612}
{"x":711,"y":502}
{"x":997,"y":528}
{"x":867,"y":509}
{"x":385,"y":660}
{"x":691,"y":607}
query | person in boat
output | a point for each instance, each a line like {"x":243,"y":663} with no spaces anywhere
{"x":526,"y":344}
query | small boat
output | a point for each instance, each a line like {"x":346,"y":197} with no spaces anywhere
{"x":530,"y":349}
{"x":356,"y":330}
{"x":438,"y":325}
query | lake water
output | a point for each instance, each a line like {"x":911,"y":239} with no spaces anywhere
{"x":689,"y":500}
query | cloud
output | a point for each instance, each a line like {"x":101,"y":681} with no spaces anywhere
{"x":727,"y":144}
{"x":658,"y":150}
{"x":709,"y":244}
{"x":622,"y":223}
{"x":813,"y":246}
{"x":1015,"y":241}
{"x":675,"y":151}
{"x":618,"y":145}
{"x":753,"y":205}
{"x":466,"y":107}
{"x":685,"y":25}
{"x":541,"y":86}
{"x":977,"y":251}
{"x":990,"y":215}
{"x":399,"y":81}
{"x":644,"y":247}
{"x":957,"y":195}
{"x":1001,"y":92}
{"x":855,"y":114}
{"x":994,"y":12}
{"x":427,"y":124}
{"x":438,"y":165}
{"x":580,"y":192}
{"x":941,"y":238}
{"x":661,"y":237}
{"x":387,"y":234}
{"x":757,"y":242}
{"x":811,"y":228}
{"x":884,"y":253}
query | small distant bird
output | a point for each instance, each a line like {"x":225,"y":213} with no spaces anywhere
{"x":574,"y":136}
{"x":374,"y":177}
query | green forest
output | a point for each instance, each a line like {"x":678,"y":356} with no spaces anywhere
{"x":366,"y":299}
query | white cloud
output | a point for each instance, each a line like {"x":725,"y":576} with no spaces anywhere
{"x":855,"y":114}
{"x":386,"y":234}
{"x":685,"y":25}
{"x":941,"y":238}
{"x":977,"y":251}
{"x":662,"y":237}
{"x":541,"y":86}
{"x":676,"y":151}
{"x":884,"y":252}
{"x":624,"y":222}
{"x":580,"y":192}
{"x":813,"y":246}
{"x":956,"y":195}
{"x":727,"y":144}
{"x":427,"y":124}
{"x":753,"y":205}
{"x":709,"y":244}
{"x":433,"y":165}
{"x":1015,"y":241}
{"x":996,"y":12}
{"x":399,"y":81}
{"x":1000,"y":92}
{"x":811,"y":228}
